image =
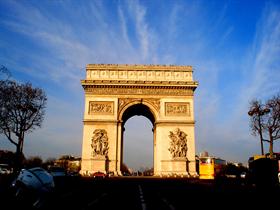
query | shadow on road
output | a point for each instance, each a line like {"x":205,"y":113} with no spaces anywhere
{"x":148,"y":193}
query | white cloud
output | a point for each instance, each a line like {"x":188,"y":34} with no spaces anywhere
{"x":186,"y":37}
{"x":260,"y":79}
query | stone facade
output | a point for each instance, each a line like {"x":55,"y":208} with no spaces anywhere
{"x":164,"y":94}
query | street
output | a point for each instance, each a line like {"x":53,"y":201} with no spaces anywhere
{"x":153,"y":193}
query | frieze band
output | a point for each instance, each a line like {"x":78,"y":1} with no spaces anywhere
{"x":117,"y":90}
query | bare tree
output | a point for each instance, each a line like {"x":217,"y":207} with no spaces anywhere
{"x":265,"y":121}
{"x":257,"y":111}
{"x":272,"y":121}
{"x":5,"y":74}
{"x":22,"y":109}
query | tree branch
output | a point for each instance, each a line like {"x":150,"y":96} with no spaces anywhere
{"x":266,"y":140}
{"x":8,"y":135}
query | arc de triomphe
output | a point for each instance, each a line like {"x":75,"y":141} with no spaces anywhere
{"x":162,"y":93}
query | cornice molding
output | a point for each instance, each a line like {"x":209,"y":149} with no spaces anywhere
{"x":177,"y":122}
{"x":136,"y":67}
{"x":93,"y":121}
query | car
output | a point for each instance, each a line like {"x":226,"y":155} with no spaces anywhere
{"x":33,"y":185}
{"x":99,"y":175}
{"x":35,"y":178}
{"x":5,"y":169}
{"x":57,"y":171}
{"x":243,"y":175}
{"x":110,"y":174}
{"x":73,"y":173}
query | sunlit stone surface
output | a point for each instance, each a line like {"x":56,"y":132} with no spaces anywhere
{"x":164,"y":94}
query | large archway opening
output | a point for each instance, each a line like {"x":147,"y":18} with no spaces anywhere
{"x":138,"y":141}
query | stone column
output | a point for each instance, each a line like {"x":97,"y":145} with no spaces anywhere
{"x":119,"y":147}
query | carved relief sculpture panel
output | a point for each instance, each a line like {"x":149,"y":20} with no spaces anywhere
{"x":177,"y":109}
{"x":100,"y":143}
{"x":178,"y":144}
{"x":101,"y":107}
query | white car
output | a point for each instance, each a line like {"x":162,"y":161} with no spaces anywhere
{"x":5,"y":169}
{"x":243,"y":175}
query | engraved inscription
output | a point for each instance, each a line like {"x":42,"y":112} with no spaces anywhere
{"x":101,"y":107}
{"x":179,"y":108}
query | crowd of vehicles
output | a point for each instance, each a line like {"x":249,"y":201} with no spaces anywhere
{"x":262,"y":170}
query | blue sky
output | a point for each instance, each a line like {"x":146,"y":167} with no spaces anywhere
{"x":233,"y":46}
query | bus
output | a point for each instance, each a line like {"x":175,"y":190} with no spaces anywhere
{"x":264,"y":171}
{"x":211,"y":167}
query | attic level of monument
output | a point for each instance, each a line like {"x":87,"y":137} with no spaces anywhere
{"x":113,"y":79}
{"x":148,"y":73}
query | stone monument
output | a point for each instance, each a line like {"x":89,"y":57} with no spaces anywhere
{"x":162,"y":93}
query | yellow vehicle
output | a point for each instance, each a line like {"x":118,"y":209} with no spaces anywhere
{"x":211,"y":167}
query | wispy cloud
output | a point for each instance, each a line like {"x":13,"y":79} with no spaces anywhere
{"x":262,"y":75}
{"x":261,"y":80}
{"x":141,"y":26}
{"x":123,"y":25}
{"x":54,"y":48}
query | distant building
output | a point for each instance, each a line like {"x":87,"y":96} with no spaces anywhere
{"x":69,"y":162}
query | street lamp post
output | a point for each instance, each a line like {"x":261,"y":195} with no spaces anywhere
{"x":258,"y":111}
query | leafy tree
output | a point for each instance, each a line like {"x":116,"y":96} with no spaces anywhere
{"x":265,"y":121}
{"x":22,"y":110}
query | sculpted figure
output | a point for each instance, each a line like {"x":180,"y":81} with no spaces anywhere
{"x":99,"y":142}
{"x":178,"y":144}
